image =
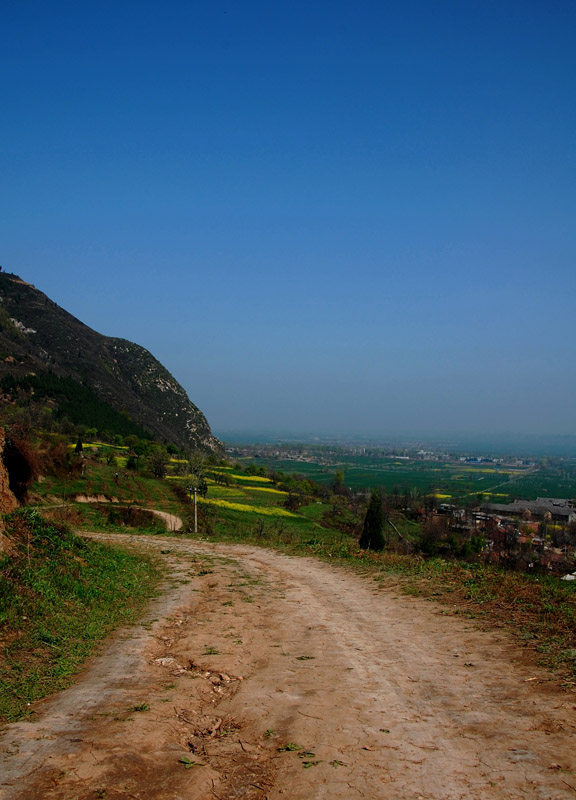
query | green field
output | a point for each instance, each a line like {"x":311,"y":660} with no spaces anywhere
{"x":547,"y":482}
{"x":456,"y":480}
{"x":433,"y":477}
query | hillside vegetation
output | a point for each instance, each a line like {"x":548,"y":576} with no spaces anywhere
{"x":234,"y":503}
{"x":62,"y":399}
{"x":59,"y":596}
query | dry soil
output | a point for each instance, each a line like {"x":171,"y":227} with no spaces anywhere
{"x":256,"y":675}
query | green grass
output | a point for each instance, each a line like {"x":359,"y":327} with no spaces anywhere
{"x":59,"y":596}
{"x":100,"y":479}
{"x":232,"y":525}
{"x":314,"y":511}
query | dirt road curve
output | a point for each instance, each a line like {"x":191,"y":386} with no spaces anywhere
{"x":248,"y":652}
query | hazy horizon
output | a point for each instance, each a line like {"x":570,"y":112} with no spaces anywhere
{"x":481,"y":444}
{"x":324,"y":217}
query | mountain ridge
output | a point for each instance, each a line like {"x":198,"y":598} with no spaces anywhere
{"x":38,"y":336}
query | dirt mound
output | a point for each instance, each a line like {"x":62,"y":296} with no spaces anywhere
{"x":95,"y":498}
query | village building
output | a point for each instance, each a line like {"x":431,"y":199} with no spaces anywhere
{"x":551,"y":508}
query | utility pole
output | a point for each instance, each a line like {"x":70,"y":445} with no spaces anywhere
{"x":190,"y":490}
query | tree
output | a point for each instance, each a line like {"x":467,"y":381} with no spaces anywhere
{"x":196,"y":484}
{"x":434,"y":536}
{"x":131,"y":441}
{"x":197,"y":463}
{"x":157,"y":461}
{"x":372,"y":537}
{"x":222,"y":478}
{"x":338,"y":479}
{"x":197,"y":478}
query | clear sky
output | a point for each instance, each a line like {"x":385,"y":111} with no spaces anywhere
{"x":320,"y":216}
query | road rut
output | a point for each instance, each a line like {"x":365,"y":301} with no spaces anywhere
{"x":258,"y":675}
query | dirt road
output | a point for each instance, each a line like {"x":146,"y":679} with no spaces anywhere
{"x":257,"y":675}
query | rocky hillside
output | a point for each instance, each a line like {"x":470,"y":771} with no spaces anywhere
{"x":39,"y":337}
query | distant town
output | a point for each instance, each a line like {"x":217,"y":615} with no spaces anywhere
{"x":523,"y":509}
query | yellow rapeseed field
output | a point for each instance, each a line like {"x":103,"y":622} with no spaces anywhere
{"x":273,"y":511}
{"x":255,"y":478}
{"x":263,"y":489}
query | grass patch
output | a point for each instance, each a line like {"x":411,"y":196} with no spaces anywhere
{"x":59,"y":596}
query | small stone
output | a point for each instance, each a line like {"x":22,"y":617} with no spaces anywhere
{"x":165,"y":662}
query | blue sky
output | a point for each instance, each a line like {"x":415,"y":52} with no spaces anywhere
{"x":321,"y":216}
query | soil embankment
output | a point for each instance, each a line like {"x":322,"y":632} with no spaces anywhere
{"x":259,"y":675}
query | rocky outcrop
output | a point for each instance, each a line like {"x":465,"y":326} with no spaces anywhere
{"x":8,"y":501}
{"x":37,"y":336}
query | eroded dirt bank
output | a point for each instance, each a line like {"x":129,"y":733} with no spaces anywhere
{"x":282,"y":677}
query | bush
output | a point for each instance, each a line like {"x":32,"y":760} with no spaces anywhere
{"x":372,"y":537}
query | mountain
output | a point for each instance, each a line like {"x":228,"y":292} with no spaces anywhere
{"x":43,"y":346}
